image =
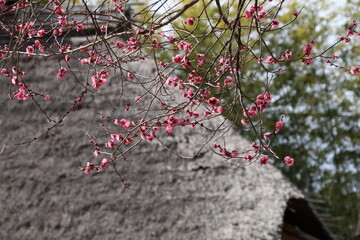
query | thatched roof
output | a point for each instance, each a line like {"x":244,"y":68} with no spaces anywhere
{"x":43,"y":195}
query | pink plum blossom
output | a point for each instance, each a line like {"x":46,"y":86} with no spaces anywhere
{"x":137,"y":99}
{"x":355,"y":70}
{"x":228,"y":80}
{"x":264,"y":160}
{"x":289,"y":161}
{"x":110,"y":144}
{"x":20,"y":94}
{"x":274,"y":23}
{"x":125,"y":124}
{"x":248,"y":157}
{"x":29,"y":51}
{"x":190,"y":21}
{"x":262,"y":15}
{"x":80,"y":27}
{"x":177,"y":59}
{"x":270,"y":60}
{"x":278,"y":126}
{"x":104,"y":163}
{"x":243,"y":121}
{"x":62,"y":72}
{"x":130,"y":76}
{"x":267,"y":135}
{"x":40,"y":33}
{"x":169,"y":130}
{"x":307,"y":49}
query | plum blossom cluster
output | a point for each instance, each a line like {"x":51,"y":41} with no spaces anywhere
{"x":307,"y":52}
{"x":261,"y":103}
{"x":256,"y":11}
{"x":94,"y":58}
{"x":229,"y":154}
{"x":355,"y":70}
{"x":272,"y":60}
{"x":92,"y":167}
{"x":351,"y":32}
{"x":250,"y":157}
{"x":61,"y":73}
{"x":15,"y":77}
{"x":131,"y":44}
{"x":99,"y":79}
{"x":207,"y":80}
{"x":27,"y":30}
{"x":194,"y":96}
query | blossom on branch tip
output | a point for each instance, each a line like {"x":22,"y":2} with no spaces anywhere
{"x":267,"y":135}
{"x":20,"y":94}
{"x":308,"y":61}
{"x":61,"y":73}
{"x":40,"y":33}
{"x":307,"y":49}
{"x":213,"y":101}
{"x":289,"y":161}
{"x":169,"y":130}
{"x":274,"y":23}
{"x":103,"y":28}
{"x":249,"y":14}
{"x":200,"y":58}
{"x":29,"y":51}
{"x":255,"y":147}
{"x":228,"y":81}
{"x":264,"y":160}
{"x":262,"y":15}
{"x":104,"y":163}
{"x":333,"y":57}
{"x":84,"y":61}
{"x":270,"y":60}
{"x":80,"y":27}
{"x":117,"y":136}
{"x":125,"y":124}
{"x":183,"y":45}
{"x":355,"y":70}
{"x":248,"y":157}
{"x":263,"y":101}
{"x":59,"y":10}
{"x":250,"y":113}
{"x":110,"y":144}
{"x":219,"y":109}
{"x":87,"y":170}
{"x":62,"y":21}
{"x":137,"y":99}
{"x":177,"y":59}
{"x":278,"y":126}
{"x":243,"y":121}
{"x":99,"y":79}
{"x":96,"y":152}
{"x":190,"y":21}
{"x":130,"y":76}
